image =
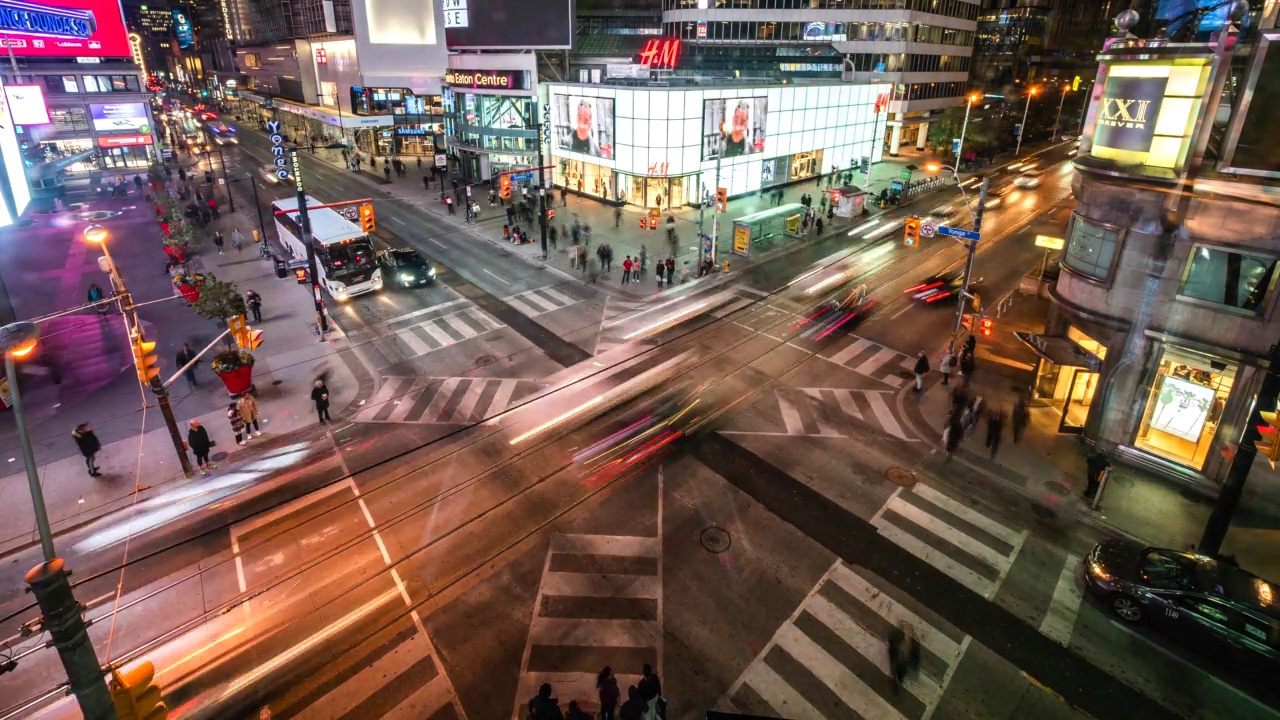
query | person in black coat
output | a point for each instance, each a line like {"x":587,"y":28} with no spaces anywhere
{"x":200,"y":444}
{"x":921,"y":368}
{"x":89,"y":446}
{"x":320,"y":396}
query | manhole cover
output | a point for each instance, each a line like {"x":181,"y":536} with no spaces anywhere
{"x":1057,"y":488}
{"x":1043,"y":513}
{"x":900,"y":476}
{"x":715,"y":539}
{"x":485,"y":360}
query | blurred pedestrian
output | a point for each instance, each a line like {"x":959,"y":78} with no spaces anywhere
{"x":218,"y":242}
{"x":249,"y":412}
{"x":671,"y":271}
{"x":650,"y":691}
{"x":1096,"y":464}
{"x":1021,"y":416}
{"x":213,"y":208}
{"x":200,"y":445}
{"x":607,"y":685}
{"x":320,"y":396}
{"x":186,"y":355}
{"x":576,"y":713}
{"x":995,"y":429}
{"x":386,"y":172}
{"x":952,"y":435}
{"x":237,"y":422}
{"x":253,"y":301}
{"x":633,"y":708}
{"x":643,"y":260}
{"x":967,"y":366}
{"x":617,"y":217}
{"x":946,"y":365}
{"x":89,"y":446}
{"x":921,"y":368}
{"x":237,"y":240}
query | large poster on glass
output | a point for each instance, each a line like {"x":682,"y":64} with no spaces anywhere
{"x":742,"y":121}
{"x":1181,"y":408}
{"x":584,"y":125}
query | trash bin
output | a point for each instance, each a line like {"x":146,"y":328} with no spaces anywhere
{"x":282,"y":267}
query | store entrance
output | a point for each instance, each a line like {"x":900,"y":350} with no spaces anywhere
{"x":806,"y":165}
{"x":659,"y":192}
{"x":1070,"y":388}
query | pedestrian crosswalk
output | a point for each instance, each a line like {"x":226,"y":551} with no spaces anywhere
{"x":599,"y":603}
{"x":831,"y":658}
{"x":449,"y":400}
{"x":540,"y":301}
{"x":874,"y":361}
{"x":431,"y":335}
{"x":826,"y":411}
{"x":613,"y":326}
{"x":973,"y":549}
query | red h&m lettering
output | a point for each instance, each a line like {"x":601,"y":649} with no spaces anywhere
{"x":660,"y":54}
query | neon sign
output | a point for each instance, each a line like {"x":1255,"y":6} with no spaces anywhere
{"x":660,"y":54}
{"x":322,"y":56}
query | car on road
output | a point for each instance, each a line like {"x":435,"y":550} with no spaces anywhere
{"x":943,"y":211}
{"x":1186,"y":595}
{"x":406,"y":268}
{"x":270,"y":174}
{"x":943,"y":287}
{"x":843,"y":311}
{"x":1029,"y":179}
{"x":995,"y":197}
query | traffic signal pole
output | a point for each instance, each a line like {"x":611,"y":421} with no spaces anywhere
{"x":1224,"y":508}
{"x":968,"y":263}
{"x":304,"y":221}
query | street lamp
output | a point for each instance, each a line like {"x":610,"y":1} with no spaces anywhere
{"x":973,"y":98}
{"x":1057,"y":118}
{"x":98,"y":235}
{"x":60,"y":614}
{"x":1031,"y":92}
{"x":933,"y":167}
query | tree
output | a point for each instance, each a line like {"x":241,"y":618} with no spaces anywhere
{"x":944,"y":128}
{"x":219,"y":301}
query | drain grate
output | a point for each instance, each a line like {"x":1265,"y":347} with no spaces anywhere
{"x":900,"y":476}
{"x":485,"y":360}
{"x":715,"y":540}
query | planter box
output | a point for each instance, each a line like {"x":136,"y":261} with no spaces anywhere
{"x":238,"y":381}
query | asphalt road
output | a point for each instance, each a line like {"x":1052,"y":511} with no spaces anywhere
{"x":432,"y":566}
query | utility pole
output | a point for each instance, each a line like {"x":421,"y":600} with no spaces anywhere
{"x":542,"y":184}
{"x":1022,"y":130}
{"x":1058,"y":118}
{"x":305,"y":223}
{"x":968,"y":263}
{"x":963,"y":129}
{"x":231,"y":201}
{"x":1215,"y":530}
{"x":715,"y":213}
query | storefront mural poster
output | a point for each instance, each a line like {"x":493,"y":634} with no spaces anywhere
{"x":584,"y":125}
{"x":120,"y":117}
{"x":743,"y":121}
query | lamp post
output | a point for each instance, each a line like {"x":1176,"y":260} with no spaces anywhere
{"x":1057,"y":118}
{"x":1031,"y":92}
{"x":973,"y":98}
{"x":60,"y":613}
{"x":98,"y":235}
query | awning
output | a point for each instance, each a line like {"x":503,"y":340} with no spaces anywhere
{"x":1059,"y":350}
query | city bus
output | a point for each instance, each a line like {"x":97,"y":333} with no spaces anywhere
{"x":345,"y":261}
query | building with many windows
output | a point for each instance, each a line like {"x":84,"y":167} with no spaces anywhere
{"x":1029,"y":40}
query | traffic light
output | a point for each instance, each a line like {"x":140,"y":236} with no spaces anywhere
{"x":253,"y":339}
{"x":966,"y":322}
{"x":136,"y":696}
{"x":144,"y":360}
{"x":911,"y":233}
{"x":722,"y":199}
{"x":504,"y":187}
{"x":367,"y":222}
{"x":985,"y":326}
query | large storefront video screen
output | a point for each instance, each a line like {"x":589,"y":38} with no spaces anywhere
{"x":584,"y":125}
{"x":743,"y":121}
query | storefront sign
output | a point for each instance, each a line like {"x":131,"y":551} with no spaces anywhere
{"x":1147,"y":112}
{"x":277,"y":149}
{"x":630,"y":71}
{"x":658,"y":169}
{"x":1049,"y":242}
{"x":546,"y":123}
{"x":455,"y":14}
{"x":411,"y":131}
{"x":441,"y":160}
{"x":1127,"y":117}
{"x":660,"y":54}
{"x":488,"y":79}
{"x":123,"y":140}
{"x":322,"y":56}
{"x":64,"y":28}
{"x":741,"y":241}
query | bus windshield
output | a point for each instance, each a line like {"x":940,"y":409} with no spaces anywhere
{"x":343,"y":260}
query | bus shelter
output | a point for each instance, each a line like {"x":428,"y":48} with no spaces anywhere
{"x":766,"y":229}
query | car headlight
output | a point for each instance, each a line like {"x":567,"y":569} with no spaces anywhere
{"x":377,"y":281}
{"x":431,"y":272}
{"x":1097,"y":571}
{"x":406,"y":277}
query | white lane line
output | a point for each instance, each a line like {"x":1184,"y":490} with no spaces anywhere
{"x":904,"y":309}
{"x":398,"y":221}
{"x":436,"y":241}
{"x":504,"y":282}
{"x":1060,"y":620}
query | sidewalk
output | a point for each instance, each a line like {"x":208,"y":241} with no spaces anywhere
{"x":1048,"y":467}
{"x":288,"y":362}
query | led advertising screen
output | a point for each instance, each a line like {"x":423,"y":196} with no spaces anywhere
{"x":584,"y":125}
{"x":507,"y":24}
{"x":26,"y":104}
{"x":182,"y":29}
{"x":743,"y":122}
{"x":120,"y":117}
{"x":64,"y":28}
{"x":14,"y":167}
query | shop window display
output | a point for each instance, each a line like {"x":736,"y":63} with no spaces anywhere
{"x":586,"y":178}
{"x":1185,"y":407}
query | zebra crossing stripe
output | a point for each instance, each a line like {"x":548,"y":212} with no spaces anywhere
{"x":877,"y":361}
{"x":533,"y":303}
{"x":443,"y":393}
{"x":414,"y":343}
{"x":469,"y":400}
{"x":410,"y":660}
{"x":858,"y":347}
{"x":502,"y":396}
{"x":1060,"y":620}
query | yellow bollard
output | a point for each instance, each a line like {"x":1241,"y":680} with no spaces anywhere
{"x":726,"y":266}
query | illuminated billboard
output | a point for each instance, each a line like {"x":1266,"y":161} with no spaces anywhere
{"x":26,"y":104}
{"x":732,"y":127}
{"x":120,"y":117}
{"x":64,"y":28}
{"x":182,"y":29}
{"x":584,"y":125}
{"x":508,"y":24}
{"x":1147,"y":112}
{"x":15,"y":173}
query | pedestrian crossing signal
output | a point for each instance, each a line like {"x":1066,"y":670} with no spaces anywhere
{"x":986,"y":326}
{"x":911,"y":233}
{"x":722,"y":199}
{"x":367,"y":222}
{"x":136,"y":696}
{"x":145,"y":361}
{"x":1268,"y":443}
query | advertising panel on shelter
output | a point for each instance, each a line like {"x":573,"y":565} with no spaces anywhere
{"x":742,"y":121}
{"x":26,"y":104}
{"x":120,"y":117}
{"x":64,"y":28}
{"x":584,"y":125}
{"x":508,"y":24}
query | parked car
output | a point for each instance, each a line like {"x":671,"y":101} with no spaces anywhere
{"x":406,"y":268}
{"x":1187,"y":595}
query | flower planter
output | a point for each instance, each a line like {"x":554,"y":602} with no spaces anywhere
{"x":190,"y":293}
{"x":176,"y":253}
{"x":237,"y":381}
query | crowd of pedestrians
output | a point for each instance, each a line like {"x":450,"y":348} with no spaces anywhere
{"x":644,"y":700}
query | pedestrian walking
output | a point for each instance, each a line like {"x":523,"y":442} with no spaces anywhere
{"x":386,"y":172}
{"x":650,"y":688}
{"x":200,"y":445}
{"x":633,"y":708}
{"x":921,"y":368}
{"x":218,"y":241}
{"x":89,"y":446}
{"x":564,"y":197}
{"x":995,"y":429}
{"x":237,"y":240}
{"x":626,"y":270}
{"x":544,"y":705}
{"x":671,"y":271}
{"x":426,"y":182}
{"x":617,"y":217}
{"x":95,"y":298}
{"x":952,"y":435}
{"x":320,"y":396}
{"x":237,"y":422}
{"x":1096,"y":464}
{"x":643,"y":259}
{"x":249,"y":412}
{"x":576,"y":713}
{"x":661,"y":269}
{"x":607,"y":686}
{"x":448,"y":202}
{"x":1020,"y":417}
{"x":946,"y":365}
{"x":213,"y":208}
{"x":253,"y":301}
{"x":186,"y":355}
{"x":420,"y":164}
{"x":967,"y":366}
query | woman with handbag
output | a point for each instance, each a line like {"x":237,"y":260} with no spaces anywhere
{"x":199,"y":443}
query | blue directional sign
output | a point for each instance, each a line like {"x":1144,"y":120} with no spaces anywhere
{"x":521,"y":176}
{"x":957,"y":232}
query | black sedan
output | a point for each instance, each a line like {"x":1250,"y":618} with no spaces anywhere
{"x":944,"y":287}
{"x":1187,"y":595}
{"x":406,"y":268}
